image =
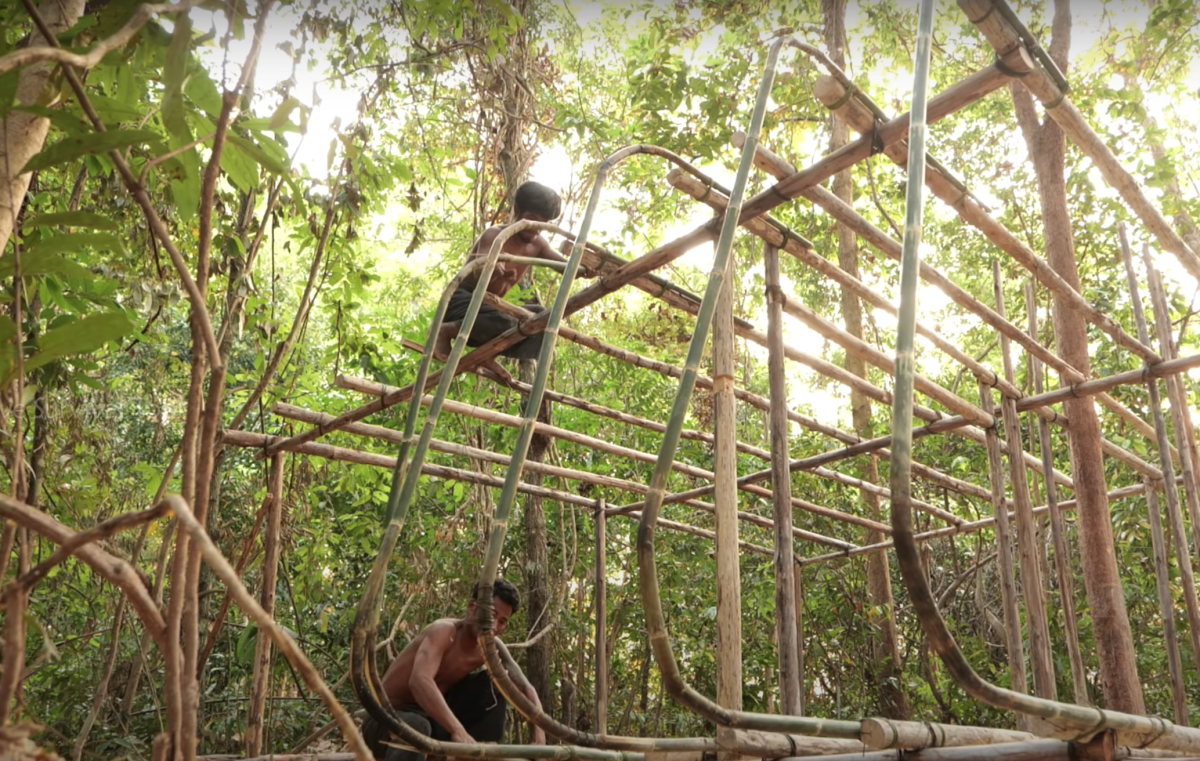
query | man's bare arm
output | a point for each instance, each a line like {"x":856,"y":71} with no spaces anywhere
{"x":423,"y":683}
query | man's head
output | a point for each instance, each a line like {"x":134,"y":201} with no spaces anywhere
{"x":505,"y":601}
{"x":537,"y":203}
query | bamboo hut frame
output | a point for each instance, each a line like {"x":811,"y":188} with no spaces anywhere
{"x":889,"y":137}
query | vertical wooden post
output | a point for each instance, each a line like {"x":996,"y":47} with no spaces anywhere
{"x":1008,"y":584}
{"x":781,"y":489}
{"x":601,"y":593}
{"x":1031,"y":572}
{"x":799,"y":576}
{"x":1058,"y":530}
{"x":1162,"y":578}
{"x":262,"y":649}
{"x":729,"y":595}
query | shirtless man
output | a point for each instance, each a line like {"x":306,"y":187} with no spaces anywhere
{"x":534,"y":202}
{"x":432,"y":688}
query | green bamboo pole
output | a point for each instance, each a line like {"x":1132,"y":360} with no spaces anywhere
{"x":1062,"y":720}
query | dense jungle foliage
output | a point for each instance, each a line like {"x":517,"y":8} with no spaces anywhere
{"x":370,"y":144}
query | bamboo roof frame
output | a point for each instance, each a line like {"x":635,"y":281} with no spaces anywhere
{"x":793,"y":183}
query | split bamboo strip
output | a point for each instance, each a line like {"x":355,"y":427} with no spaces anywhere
{"x":1015,"y":647}
{"x":781,"y":485}
{"x":1180,"y":411}
{"x":1031,"y":579}
{"x":292,"y":412}
{"x":1058,"y":529}
{"x":1002,"y":36}
{"x":499,"y":418}
{"x":963,"y":93}
{"x":966,"y":528}
{"x":770,"y":229}
{"x":600,"y":591}
{"x":830,"y":92}
{"x":251,"y":440}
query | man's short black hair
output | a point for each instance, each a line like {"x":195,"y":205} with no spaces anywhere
{"x":504,"y":590}
{"x":535,"y":198}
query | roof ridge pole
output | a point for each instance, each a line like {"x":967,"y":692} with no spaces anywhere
{"x":1058,"y":529}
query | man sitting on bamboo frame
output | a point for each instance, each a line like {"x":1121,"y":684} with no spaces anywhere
{"x":534,"y":202}
{"x":437,"y":686}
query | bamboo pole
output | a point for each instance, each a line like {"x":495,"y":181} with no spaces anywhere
{"x":1015,"y":647}
{"x":771,"y":230}
{"x":829,"y":92}
{"x":262,"y":651}
{"x":1027,"y":542}
{"x":1166,"y":606}
{"x":729,"y":577}
{"x":1174,"y":510}
{"x":999,"y":32}
{"x":1058,"y":530}
{"x":1180,"y":410}
{"x":601,"y":641}
{"x":781,"y":482}
{"x":597,"y":479}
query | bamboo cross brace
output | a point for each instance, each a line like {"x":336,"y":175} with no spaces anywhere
{"x":251,"y":440}
{"x":1002,"y":36}
{"x":770,"y":229}
{"x":500,"y":418}
{"x":950,"y":190}
{"x":293,"y":412}
{"x":827,"y":91}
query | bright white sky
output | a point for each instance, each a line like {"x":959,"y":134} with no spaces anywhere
{"x":332,"y":107}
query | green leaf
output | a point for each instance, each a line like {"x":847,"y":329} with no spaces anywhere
{"x":202,"y":91}
{"x":66,"y":121}
{"x":113,"y":111}
{"x":268,"y":162}
{"x":8,"y":90}
{"x":46,"y":265}
{"x":61,"y":244}
{"x":71,"y":219}
{"x":279,"y":118}
{"x":79,"y":337}
{"x":174,"y":115}
{"x":246,"y":644}
{"x":71,"y":148}
{"x":242,"y":170}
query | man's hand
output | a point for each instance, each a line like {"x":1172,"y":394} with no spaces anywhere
{"x":588,"y":273}
{"x":539,"y":737}
{"x":461,"y":736}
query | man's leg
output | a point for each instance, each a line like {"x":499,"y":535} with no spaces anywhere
{"x":480,"y":707}
{"x":377,"y":738}
{"x":531,"y":346}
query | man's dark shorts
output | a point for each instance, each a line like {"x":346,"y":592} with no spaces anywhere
{"x":474,"y":701}
{"x":490,"y":322}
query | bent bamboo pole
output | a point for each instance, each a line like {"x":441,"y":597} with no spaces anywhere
{"x":1002,"y":37}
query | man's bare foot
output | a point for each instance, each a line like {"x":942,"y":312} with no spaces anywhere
{"x":441,"y":347}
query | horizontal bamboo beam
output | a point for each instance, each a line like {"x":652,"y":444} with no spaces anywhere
{"x":1002,"y":36}
{"x":341,"y":454}
{"x":961,"y":94}
{"x":950,"y":190}
{"x":769,"y":228}
{"x":303,"y":415}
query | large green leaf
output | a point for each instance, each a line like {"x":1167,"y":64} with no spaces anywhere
{"x":79,"y":337}
{"x":112,"y":110}
{"x":268,"y":162}
{"x":71,"y":148}
{"x":174,"y":115}
{"x":71,"y":219}
{"x":60,"y":244}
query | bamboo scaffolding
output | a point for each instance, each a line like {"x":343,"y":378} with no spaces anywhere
{"x":1174,"y":510}
{"x":1015,"y":646}
{"x":771,"y":230}
{"x":1058,"y":530}
{"x":1001,"y":35}
{"x":1166,"y":605}
{"x":293,"y":412}
{"x":830,"y":92}
{"x":966,"y":528}
{"x":1027,"y":540}
{"x":781,"y":484}
{"x":251,"y":440}
{"x":600,"y":591}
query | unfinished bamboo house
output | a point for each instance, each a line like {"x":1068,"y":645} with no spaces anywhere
{"x":1066,"y":400}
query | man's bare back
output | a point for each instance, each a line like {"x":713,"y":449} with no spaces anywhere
{"x":460,"y":655}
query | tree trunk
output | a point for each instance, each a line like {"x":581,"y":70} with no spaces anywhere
{"x":22,"y":134}
{"x":885,"y":645}
{"x":1114,"y":639}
